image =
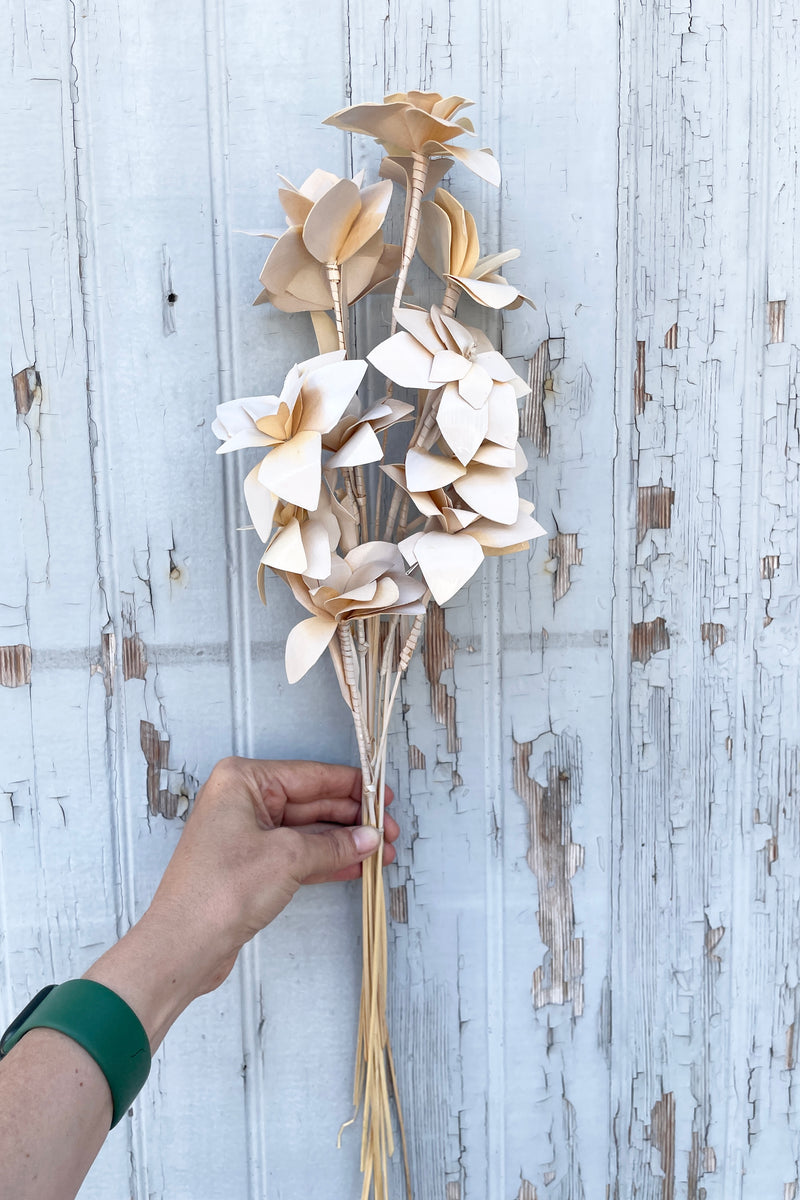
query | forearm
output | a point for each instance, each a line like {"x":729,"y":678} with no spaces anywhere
{"x":55,"y":1111}
{"x":55,"y":1103}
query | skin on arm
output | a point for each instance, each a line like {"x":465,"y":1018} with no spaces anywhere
{"x":258,"y":830}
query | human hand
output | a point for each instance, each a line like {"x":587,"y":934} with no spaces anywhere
{"x":258,"y":830}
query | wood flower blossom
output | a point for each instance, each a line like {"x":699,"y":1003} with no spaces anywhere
{"x":363,"y":551}
{"x":332,"y":222}
{"x":419,"y":123}
{"x":371,"y":580}
{"x":470,"y":512}
{"x":480,"y":388}
{"x":291,"y":426}
{"x":448,"y":244}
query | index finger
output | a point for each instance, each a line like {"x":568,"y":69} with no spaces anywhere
{"x":303,"y":781}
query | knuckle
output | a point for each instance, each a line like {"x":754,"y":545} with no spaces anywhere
{"x":227,"y":768}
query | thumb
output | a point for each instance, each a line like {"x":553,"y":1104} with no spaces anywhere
{"x":332,"y":850}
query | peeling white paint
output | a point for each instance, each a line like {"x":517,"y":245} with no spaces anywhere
{"x":649,"y":178}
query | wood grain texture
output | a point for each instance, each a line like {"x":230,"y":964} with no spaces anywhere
{"x":594,"y":913}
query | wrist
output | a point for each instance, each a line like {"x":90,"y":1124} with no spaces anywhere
{"x":156,"y":969}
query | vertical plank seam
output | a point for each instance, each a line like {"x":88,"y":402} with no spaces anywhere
{"x":238,"y":609}
{"x":749,"y":603}
{"x":119,"y":797}
{"x":622,"y":529}
{"x":493,"y":715}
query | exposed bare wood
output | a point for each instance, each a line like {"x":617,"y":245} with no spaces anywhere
{"x":647,"y":638}
{"x":533,"y":419}
{"x":15,"y":666}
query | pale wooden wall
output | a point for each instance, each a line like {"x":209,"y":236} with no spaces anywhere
{"x":595,"y":911}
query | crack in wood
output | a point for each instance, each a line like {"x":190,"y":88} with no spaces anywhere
{"x":554,"y":858}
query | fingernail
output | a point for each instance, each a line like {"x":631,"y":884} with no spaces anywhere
{"x":367,"y":839}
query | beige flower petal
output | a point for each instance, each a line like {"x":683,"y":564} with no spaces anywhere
{"x":498,"y":537}
{"x":492,"y":455}
{"x":293,"y":470}
{"x":476,"y":386}
{"x":360,"y":271}
{"x":276,"y":425}
{"x":374,"y":206}
{"x":293,"y":277}
{"x":481,"y":162}
{"x":327,"y":391}
{"x":378,"y":552}
{"x":434,"y":238}
{"x":318,"y":183}
{"x":424,"y":471}
{"x":305,"y":645}
{"x":261,"y":504}
{"x":407,"y":547}
{"x":462,"y":427}
{"x":388,"y":412}
{"x":295,"y":205}
{"x":490,"y":492}
{"x":447,"y":106}
{"x":447,"y":562}
{"x":496,"y":366}
{"x":448,"y":366}
{"x":418,"y":322}
{"x":384,"y":122}
{"x":490,"y":295}
{"x":240,"y":441}
{"x":459,"y":234}
{"x":503,"y":416}
{"x":330,"y":221}
{"x":361,"y":447}
{"x":286,"y":551}
{"x":317,"y":546}
{"x":492,"y":262}
{"x":402,"y":359}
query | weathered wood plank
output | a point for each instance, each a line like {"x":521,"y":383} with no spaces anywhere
{"x":594,"y":913}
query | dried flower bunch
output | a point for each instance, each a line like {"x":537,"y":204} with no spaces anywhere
{"x":365,"y":562}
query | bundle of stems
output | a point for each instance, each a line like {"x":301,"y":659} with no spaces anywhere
{"x":363,"y":563}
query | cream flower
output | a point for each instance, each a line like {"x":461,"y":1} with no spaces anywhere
{"x":291,"y":426}
{"x":370,"y":580}
{"x":479,"y":388}
{"x":448,"y":244}
{"x":418,"y":123}
{"x":331,"y":221}
{"x":355,"y":439}
{"x":470,"y":513}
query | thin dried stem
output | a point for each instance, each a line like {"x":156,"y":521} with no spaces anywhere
{"x":391,"y":516}
{"x":335,"y":284}
{"x":419,"y":174}
{"x":351,"y":675}
{"x":452,"y":295}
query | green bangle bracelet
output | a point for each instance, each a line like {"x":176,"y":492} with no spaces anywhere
{"x":100,"y":1021}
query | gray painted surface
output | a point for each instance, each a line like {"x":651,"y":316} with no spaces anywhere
{"x":595,"y":972}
